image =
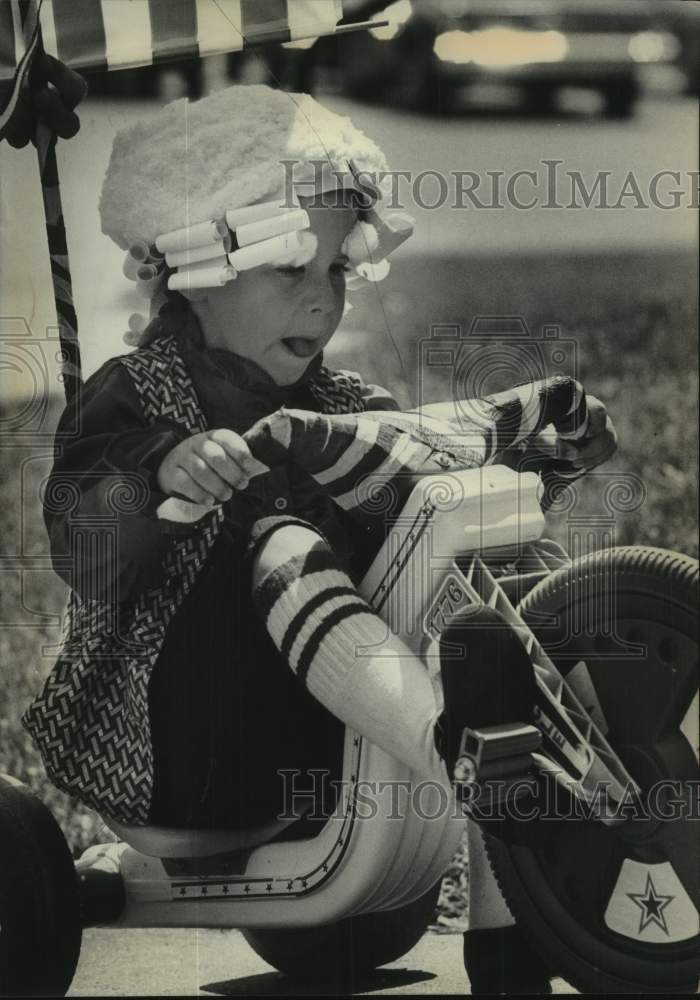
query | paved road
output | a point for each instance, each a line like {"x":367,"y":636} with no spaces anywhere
{"x":663,"y":136}
{"x":220,"y":963}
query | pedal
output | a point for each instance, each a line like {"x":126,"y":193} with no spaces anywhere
{"x":495,"y":762}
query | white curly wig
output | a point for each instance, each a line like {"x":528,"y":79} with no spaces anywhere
{"x":195,"y":159}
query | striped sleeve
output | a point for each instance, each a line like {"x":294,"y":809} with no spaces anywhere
{"x":521,"y":412}
{"x":341,"y":450}
{"x":376,"y":397}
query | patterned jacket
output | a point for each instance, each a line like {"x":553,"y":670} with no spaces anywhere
{"x":91,"y":719}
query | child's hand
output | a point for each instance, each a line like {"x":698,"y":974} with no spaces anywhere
{"x":54,"y":93}
{"x":207,"y":467}
{"x":600,"y":442}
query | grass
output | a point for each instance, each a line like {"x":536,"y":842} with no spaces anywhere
{"x":634,"y":324}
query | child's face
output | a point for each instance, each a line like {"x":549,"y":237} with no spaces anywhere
{"x":256,"y":313}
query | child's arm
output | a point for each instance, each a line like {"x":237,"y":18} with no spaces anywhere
{"x":105,"y":450}
{"x":116,"y":469}
{"x":376,"y":397}
{"x":208,"y":466}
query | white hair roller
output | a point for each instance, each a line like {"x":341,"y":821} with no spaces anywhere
{"x":201,"y":277}
{"x":252,"y":213}
{"x":393,"y":230}
{"x":199,"y":235}
{"x":302,"y":254}
{"x":360,"y":242}
{"x":140,"y":253}
{"x":290,"y":249}
{"x":149,"y":279}
{"x":263,"y":229}
{"x":374,"y":272}
{"x":186,"y":258}
{"x":264,"y":252}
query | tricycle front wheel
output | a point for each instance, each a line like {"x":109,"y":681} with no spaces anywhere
{"x":615,"y":908}
{"x":340,"y":954}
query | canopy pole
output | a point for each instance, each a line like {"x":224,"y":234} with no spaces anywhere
{"x":27,"y":22}
{"x":45,"y":141}
{"x":26,"y":19}
{"x":71,"y":366}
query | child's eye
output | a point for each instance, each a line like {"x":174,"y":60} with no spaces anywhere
{"x":338,"y":267}
{"x":289,"y":269}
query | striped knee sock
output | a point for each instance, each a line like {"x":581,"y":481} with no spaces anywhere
{"x":348,"y":658}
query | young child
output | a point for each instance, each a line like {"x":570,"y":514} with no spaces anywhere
{"x":199,"y":576}
{"x":184,"y":719}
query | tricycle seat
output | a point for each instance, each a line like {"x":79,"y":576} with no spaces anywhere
{"x":176,"y":842}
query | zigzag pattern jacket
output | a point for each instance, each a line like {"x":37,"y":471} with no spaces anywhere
{"x":145,"y":601}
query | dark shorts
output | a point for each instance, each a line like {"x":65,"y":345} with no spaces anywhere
{"x":228,"y":716}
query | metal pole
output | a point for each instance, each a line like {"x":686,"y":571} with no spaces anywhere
{"x":71,"y":368}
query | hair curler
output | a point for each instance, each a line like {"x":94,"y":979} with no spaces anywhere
{"x":264,"y":229}
{"x":194,"y":255}
{"x":392,"y":230}
{"x":236,"y":217}
{"x":198,"y":235}
{"x":140,"y":253}
{"x":374,"y":271}
{"x":149,"y":278}
{"x":201,"y":277}
{"x":267,"y":251}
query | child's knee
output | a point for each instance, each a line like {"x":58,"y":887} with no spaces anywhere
{"x":288,"y":541}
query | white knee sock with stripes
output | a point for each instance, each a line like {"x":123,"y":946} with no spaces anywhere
{"x":320,"y":624}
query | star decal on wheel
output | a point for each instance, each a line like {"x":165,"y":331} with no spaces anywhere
{"x":652,"y":904}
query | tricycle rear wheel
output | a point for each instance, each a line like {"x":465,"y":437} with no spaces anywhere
{"x":40,"y":924}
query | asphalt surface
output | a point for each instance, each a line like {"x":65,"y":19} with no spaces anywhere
{"x":220,"y":963}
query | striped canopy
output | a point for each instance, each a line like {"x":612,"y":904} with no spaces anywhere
{"x":118,"y":34}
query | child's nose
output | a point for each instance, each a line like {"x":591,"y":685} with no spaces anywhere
{"x":320,"y":296}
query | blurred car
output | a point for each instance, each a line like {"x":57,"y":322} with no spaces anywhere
{"x":682,"y":17}
{"x":434,"y":52}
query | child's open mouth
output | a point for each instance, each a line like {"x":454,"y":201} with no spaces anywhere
{"x":301,"y":347}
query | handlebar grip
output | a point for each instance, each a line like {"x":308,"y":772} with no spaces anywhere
{"x":521,"y":413}
{"x":572,"y":424}
{"x":556,"y":474}
{"x":524,"y":412}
